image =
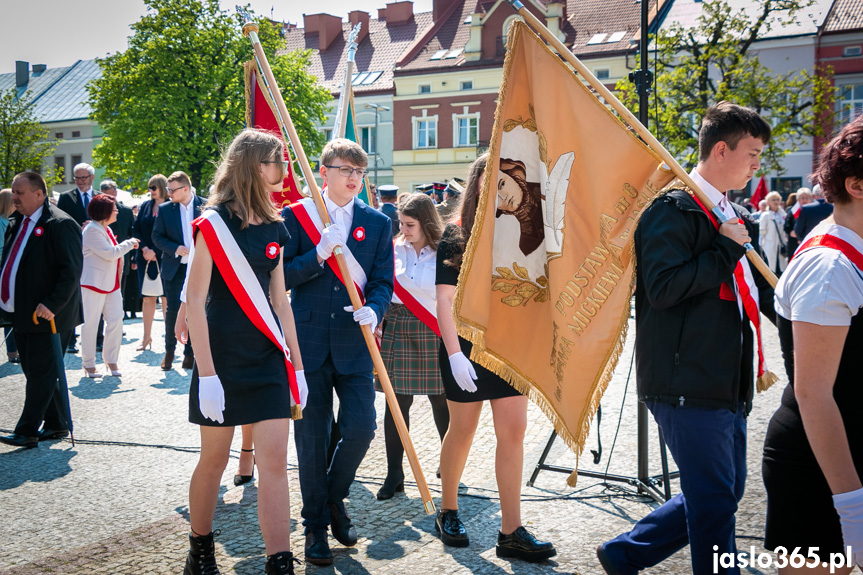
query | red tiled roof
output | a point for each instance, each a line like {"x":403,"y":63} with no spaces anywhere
{"x":590,"y":18}
{"x":846,"y":15}
{"x":451,"y":34}
{"x":378,"y":52}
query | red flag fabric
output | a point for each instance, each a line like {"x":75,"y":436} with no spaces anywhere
{"x":260,"y":113}
{"x":760,"y":192}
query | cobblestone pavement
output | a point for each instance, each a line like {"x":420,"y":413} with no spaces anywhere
{"x":117,"y":501}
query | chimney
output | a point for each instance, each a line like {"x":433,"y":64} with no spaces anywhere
{"x":39,"y":68}
{"x":555,"y":18}
{"x":397,"y":12}
{"x":22,"y":73}
{"x":326,"y":26}
{"x":359,"y":16}
{"x":440,"y":7}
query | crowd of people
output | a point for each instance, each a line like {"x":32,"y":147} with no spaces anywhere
{"x":231,"y":260}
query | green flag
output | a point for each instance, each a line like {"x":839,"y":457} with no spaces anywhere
{"x":351,"y":134}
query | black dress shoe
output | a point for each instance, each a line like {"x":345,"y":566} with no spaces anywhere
{"x":451,"y":529}
{"x":520,"y":544}
{"x":340,"y":522}
{"x":606,"y":561}
{"x":49,"y":434}
{"x":392,"y":484}
{"x":318,"y":549}
{"x":17,"y":440}
{"x":72,"y":348}
{"x":188,"y":361}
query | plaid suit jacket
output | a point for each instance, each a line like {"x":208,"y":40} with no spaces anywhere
{"x":318,"y":298}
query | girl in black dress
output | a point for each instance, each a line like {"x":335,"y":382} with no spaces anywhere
{"x":467,"y":385}
{"x":240,"y":377}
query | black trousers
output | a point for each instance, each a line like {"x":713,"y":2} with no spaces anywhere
{"x":173,"y":287}
{"x":42,"y":400}
{"x":395,"y":449}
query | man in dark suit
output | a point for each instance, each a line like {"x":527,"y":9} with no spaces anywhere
{"x":811,"y":215}
{"x":75,"y":201}
{"x":122,"y":229}
{"x":41,"y":272}
{"x":334,"y":353}
{"x":172,"y":233}
{"x":389,"y":193}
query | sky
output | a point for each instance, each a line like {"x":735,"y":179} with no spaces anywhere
{"x":60,"y":32}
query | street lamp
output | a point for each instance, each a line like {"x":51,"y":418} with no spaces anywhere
{"x":377,"y":108}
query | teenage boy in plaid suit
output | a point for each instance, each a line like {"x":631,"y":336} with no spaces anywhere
{"x":334,"y":351}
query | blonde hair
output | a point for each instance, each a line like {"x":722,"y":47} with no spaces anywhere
{"x":181,"y":177}
{"x":238,"y":182}
{"x":772,"y":195}
{"x":344,"y":149}
{"x":161,"y":182}
{"x":5,"y":202}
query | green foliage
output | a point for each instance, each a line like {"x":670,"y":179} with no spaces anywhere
{"x":712,"y":62}
{"x":176,"y":96}
{"x":24,"y":142}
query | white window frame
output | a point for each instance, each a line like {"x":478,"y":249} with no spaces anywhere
{"x":374,"y":139}
{"x":465,"y":115}
{"x":856,"y":80}
{"x":415,"y":129}
{"x":505,"y":28}
{"x":463,"y":82}
{"x":606,"y":70}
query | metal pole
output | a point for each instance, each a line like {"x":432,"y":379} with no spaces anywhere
{"x":377,"y":112}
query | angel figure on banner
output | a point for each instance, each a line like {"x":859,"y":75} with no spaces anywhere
{"x":531,"y":199}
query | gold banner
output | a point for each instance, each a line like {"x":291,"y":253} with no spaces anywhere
{"x":547,"y":278}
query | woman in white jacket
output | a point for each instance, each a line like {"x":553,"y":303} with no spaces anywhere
{"x":771,"y":234}
{"x":100,"y":285}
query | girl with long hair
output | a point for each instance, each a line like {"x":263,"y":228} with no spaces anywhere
{"x":467,"y":385}
{"x":409,"y":346}
{"x":240,"y":377}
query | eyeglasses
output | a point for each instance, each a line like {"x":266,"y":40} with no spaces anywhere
{"x":82,"y":178}
{"x":170,"y":191}
{"x":348,"y":171}
{"x":154,"y":188}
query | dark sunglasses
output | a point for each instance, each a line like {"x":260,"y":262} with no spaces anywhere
{"x":154,"y":188}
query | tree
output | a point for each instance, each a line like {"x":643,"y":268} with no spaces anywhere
{"x":176,"y":96}
{"x":24,"y":143}
{"x":712,"y":62}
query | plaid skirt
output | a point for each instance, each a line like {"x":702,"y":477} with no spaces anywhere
{"x":410,"y":353}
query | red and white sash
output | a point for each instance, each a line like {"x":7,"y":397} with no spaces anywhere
{"x":307,"y":214}
{"x":244,"y":286}
{"x":417,"y":301}
{"x":833,"y":242}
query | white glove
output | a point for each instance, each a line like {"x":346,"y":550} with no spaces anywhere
{"x":463,"y":371}
{"x":364,"y":316}
{"x":330,"y":238}
{"x":302,"y":387}
{"x":211,"y":397}
{"x":849,"y":506}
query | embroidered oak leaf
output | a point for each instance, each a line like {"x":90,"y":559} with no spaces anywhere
{"x":520,"y":271}
{"x":542,"y":280}
{"x":513,"y":300}
{"x":503,"y":286}
{"x":505,"y":273}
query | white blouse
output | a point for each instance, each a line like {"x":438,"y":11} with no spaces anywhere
{"x":418,"y":267}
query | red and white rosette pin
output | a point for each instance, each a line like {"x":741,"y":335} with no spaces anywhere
{"x":360,"y":234}
{"x":38,"y":231}
{"x":272,"y":250}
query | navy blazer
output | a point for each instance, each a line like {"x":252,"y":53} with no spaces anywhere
{"x":318,"y":298}
{"x":70,"y":202}
{"x":168,"y":234}
{"x":810,"y":216}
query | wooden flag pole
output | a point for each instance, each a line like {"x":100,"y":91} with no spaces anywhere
{"x":250,"y":30}
{"x":639,"y":128}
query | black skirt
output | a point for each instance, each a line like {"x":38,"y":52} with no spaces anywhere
{"x":489,"y":385}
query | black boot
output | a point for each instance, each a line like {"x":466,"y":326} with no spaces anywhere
{"x":395,"y":482}
{"x":281,"y":564}
{"x":202,"y":556}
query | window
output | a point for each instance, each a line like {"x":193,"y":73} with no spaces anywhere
{"x":58,"y":135}
{"x":425,"y":89}
{"x":851,"y":51}
{"x":60,"y":167}
{"x":465,"y":130}
{"x":466,"y":85}
{"x":368,"y":140}
{"x":76,"y":159}
{"x":425,"y":132}
{"x":602,"y":73}
{"x":328,"y":133}
{"x":76,"y":134}
{"x":785,"y":185}
{"x":849,"y":103}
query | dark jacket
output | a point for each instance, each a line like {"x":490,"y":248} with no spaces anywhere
{"x":393,"y":214}
{"x":810,"y":216}
{"x":70,"y":202}
{"x":143,"y":230}
{"x":168,"y":234}
{"x":122,"y":228}
{"x":688,"y":339}
{"x":49,"y":272}
{"x":318,"y":297}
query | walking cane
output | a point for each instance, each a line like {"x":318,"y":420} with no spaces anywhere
{"x":643,"y":132}
{"x":250,"y":30}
